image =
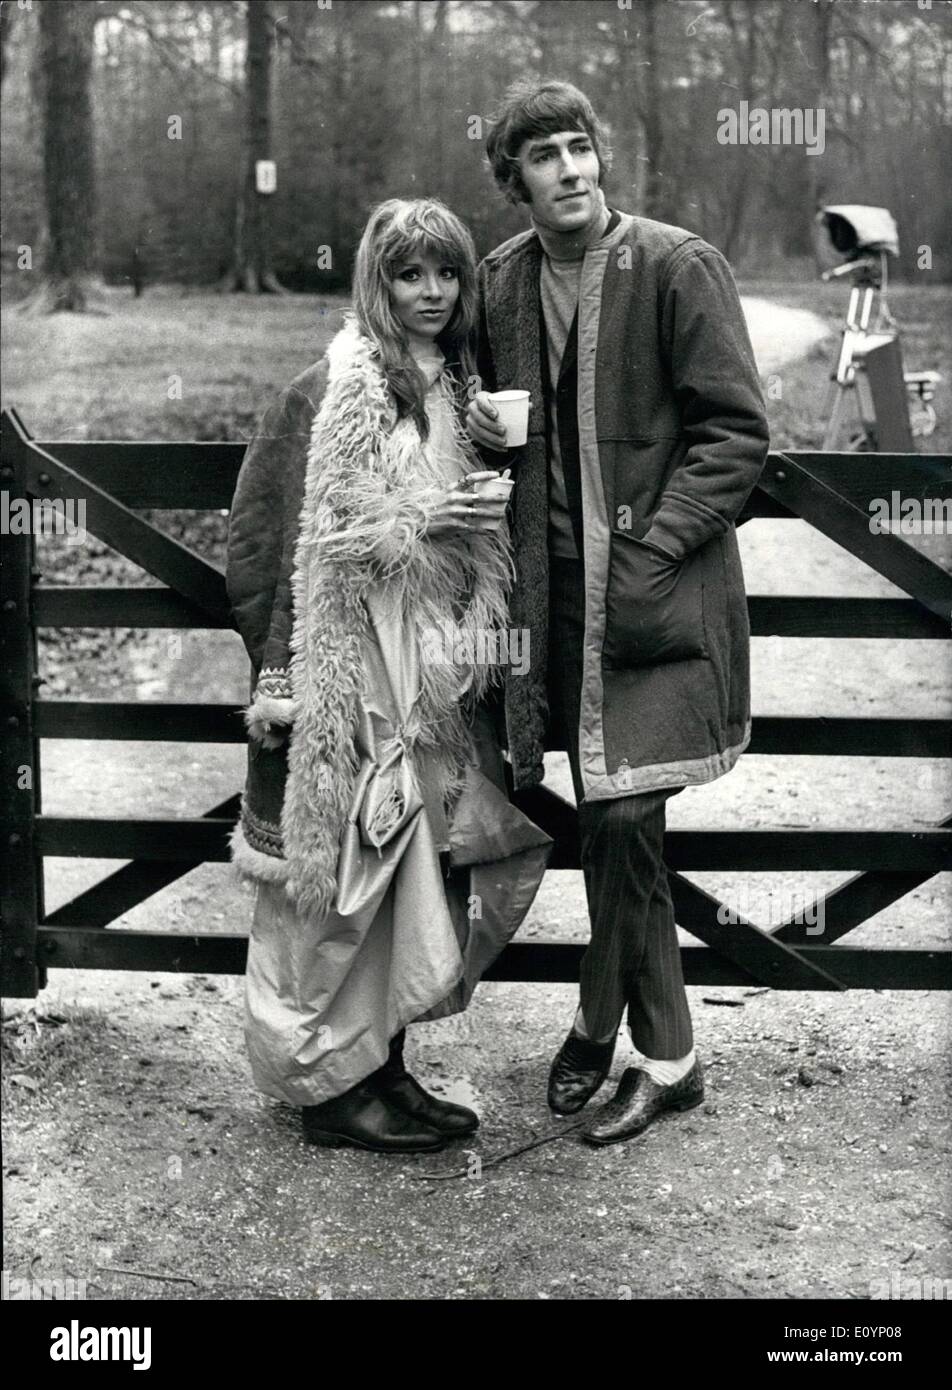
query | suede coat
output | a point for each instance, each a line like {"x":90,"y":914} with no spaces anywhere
{"x":666,"y":441}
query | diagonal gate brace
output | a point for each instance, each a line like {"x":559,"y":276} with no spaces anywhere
{"x":123,"y":890}
{"x":767,"y":960}
{"x":787,"y":480}
{"x":181,"y":569}
{"x":854,"y":902}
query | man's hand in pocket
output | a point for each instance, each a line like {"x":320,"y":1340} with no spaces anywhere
{"x":653,"y":607}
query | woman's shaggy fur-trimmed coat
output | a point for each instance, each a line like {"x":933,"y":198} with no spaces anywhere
{"x":335,"y":495}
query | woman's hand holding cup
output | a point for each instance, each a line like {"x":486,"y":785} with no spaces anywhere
{"x":465,"y":509}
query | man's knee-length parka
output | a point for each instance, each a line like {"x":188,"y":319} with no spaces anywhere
{"x":671,"y":439}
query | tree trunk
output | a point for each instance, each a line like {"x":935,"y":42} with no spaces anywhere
{"x":656,"y":198}
{"x":253,"y":270}
{"x":416,"y":97}
{"x":440,"y":56}
{"x":746,"y":52}
{"x":66,"y":57}
{"x":812,"y":23}
{"x":626,"y":102}
{"x":339,"y":94}
{"x":7,"y":16}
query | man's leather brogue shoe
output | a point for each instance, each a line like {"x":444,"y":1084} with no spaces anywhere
{"x":639,"y":1101}
{"x":580,"y":1067}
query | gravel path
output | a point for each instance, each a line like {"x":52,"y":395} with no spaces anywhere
{"x":780,"y":334}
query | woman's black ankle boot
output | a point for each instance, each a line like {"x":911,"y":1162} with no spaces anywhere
{"x":365,"y":1118}
{"x":394,"y":1084}
{"x":394,"y":1065}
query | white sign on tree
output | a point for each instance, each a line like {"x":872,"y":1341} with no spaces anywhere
{"x":266,"y":175}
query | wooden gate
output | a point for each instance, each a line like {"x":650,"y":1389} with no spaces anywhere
{"x":830,"y":491}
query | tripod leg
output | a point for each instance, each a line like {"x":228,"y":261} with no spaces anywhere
{"x":833,"y":426}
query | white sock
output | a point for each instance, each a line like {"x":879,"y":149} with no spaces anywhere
{"x":666,"y":1073}
{"x":578,"y":1028}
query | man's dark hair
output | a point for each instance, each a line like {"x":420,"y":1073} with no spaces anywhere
{"x":529,"y":111}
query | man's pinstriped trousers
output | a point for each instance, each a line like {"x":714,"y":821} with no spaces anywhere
{"x":633,"y":958}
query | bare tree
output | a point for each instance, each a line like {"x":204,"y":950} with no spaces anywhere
{"x":7,"y":16}
{"x":812,"y":34}
{"x":65,"y":57}
{"x":656,"y":194}
{"x":374,"y":98}
{"x":438,"y":60}
{"x":253,"y":270}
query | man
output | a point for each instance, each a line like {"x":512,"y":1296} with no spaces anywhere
{"x":646,"y":435}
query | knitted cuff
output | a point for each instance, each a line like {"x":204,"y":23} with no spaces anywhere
{"x":271,"y":713}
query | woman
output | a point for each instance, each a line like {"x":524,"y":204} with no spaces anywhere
{"x":363,"y":570}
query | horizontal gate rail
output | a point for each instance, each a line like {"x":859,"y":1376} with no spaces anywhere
{"x":788,"y":616}
{"x":172,"y":721}
{"x":124,"y":889}
{"x":866,"y":738}
{"x":538,"y":962}
{"x":199,"y":476}
{"x":212,"y":723}
{"x":58,"y":606}
{"x":203,"y":838}
{"x":558,"y":963}
{"x":118,"y":948}
{"x":770,"y":615}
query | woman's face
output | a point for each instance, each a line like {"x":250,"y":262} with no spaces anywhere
{"x":424,"y":294}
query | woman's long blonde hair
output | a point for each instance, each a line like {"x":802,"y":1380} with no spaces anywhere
{"x":399,"y":230}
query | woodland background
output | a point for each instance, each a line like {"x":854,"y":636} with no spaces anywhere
{"x":357,"y":100}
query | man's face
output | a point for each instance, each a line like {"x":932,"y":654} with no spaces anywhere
{"x":560,"y":173}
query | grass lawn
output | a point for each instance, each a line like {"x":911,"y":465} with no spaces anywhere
{"x":167,"y":366}
{"x":204,"y":366}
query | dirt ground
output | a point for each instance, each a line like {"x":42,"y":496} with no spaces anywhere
{"x":153,"y":1154}
{"x":139,"y":1157}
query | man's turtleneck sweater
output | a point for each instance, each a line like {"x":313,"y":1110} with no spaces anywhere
{"x":561,"y":274}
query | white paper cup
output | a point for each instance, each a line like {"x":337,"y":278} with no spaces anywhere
{"x":513,"y":407}
{"x":494,"y":487}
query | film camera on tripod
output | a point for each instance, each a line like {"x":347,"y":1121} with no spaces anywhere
{"x":858,"y":241}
